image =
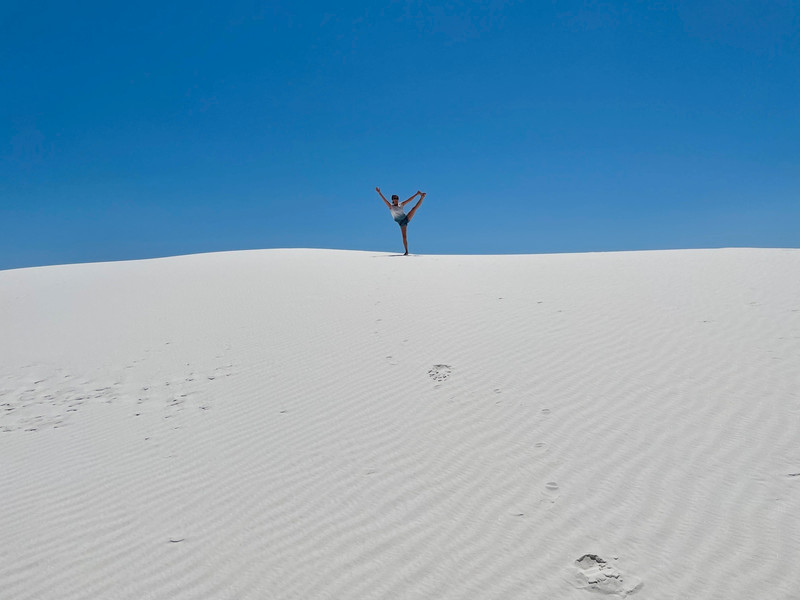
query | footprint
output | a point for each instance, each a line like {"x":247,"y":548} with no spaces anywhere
{"x":550,"y":491}
{"x":539,"y":448}
{"x":224,"y":370}
{"x":439,"y":372}
{"x":597,"y":574}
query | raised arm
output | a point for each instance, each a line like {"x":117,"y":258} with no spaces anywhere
{"x":420,"y":194}
{"x":385,"y":201}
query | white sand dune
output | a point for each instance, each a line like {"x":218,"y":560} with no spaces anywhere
{"x":315,"y":424}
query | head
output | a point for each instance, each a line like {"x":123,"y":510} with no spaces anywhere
{"x":395,"y":199}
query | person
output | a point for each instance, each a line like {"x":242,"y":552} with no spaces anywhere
{"x":400,"y":217}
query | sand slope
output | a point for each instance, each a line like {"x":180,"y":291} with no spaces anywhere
{"x":319,"y":424}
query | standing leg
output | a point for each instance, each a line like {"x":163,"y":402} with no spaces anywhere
{"x":416,"y":206}
{"x":405,"y":239}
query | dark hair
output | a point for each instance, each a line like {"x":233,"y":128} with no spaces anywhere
{"x":395,"y":197}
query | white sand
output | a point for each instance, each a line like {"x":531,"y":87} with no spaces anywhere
{"x":274,"y":425}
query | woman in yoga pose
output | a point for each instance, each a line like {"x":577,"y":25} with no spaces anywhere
{"x":399,"y":215}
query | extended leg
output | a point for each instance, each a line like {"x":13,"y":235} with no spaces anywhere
{"x":405,"y":238}
{"x":416,"y":206}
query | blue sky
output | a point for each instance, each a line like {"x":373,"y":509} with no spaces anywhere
{"x":152,"y":129}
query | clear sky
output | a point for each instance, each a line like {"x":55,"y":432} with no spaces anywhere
{"x":142,"y":129}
